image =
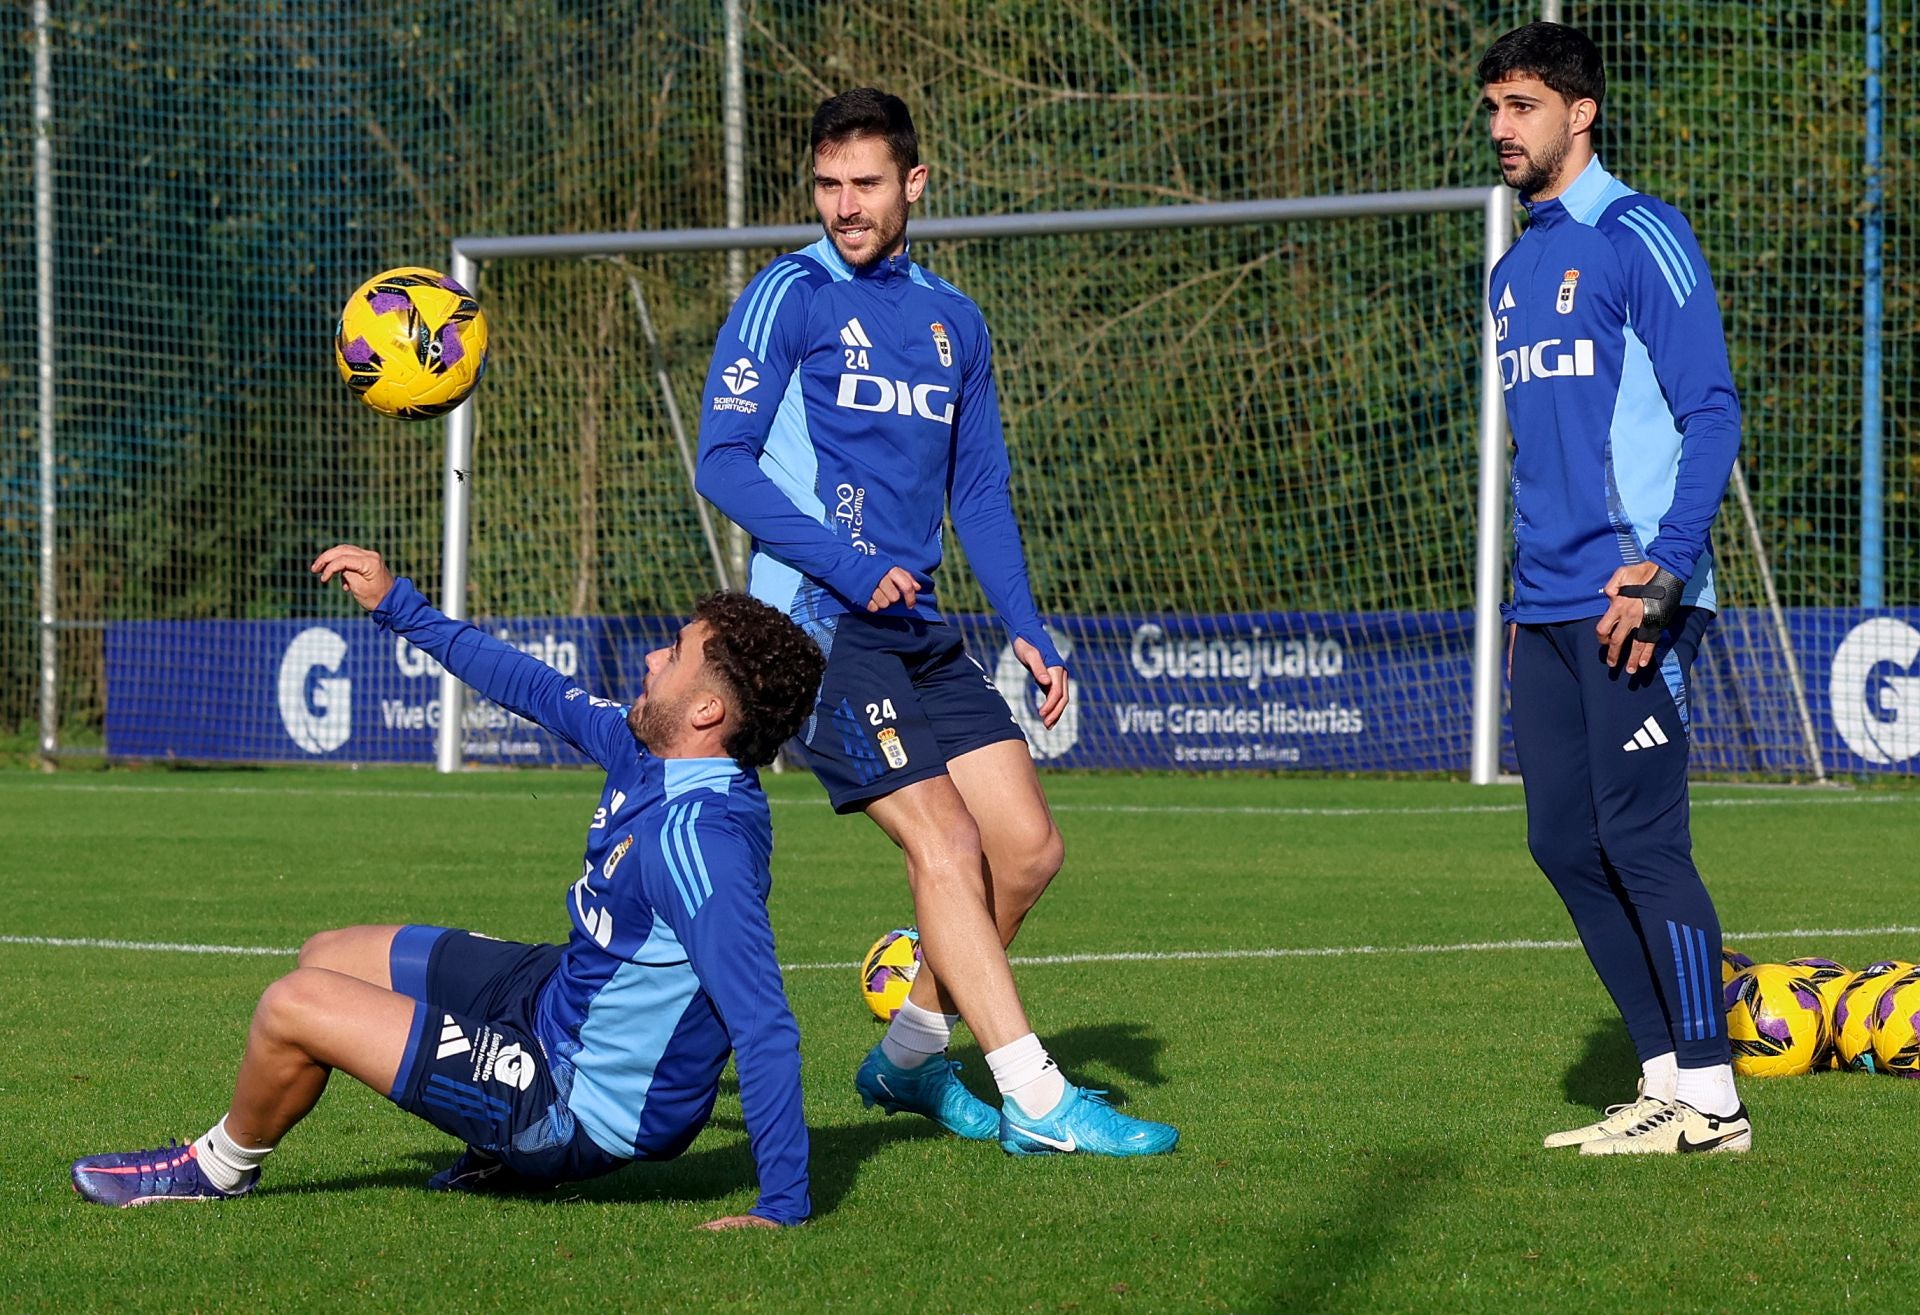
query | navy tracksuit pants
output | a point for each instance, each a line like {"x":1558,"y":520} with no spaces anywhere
{"x":1604,"y":759}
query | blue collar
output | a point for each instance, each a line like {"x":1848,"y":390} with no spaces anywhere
{"x":900,"y":266}
{"x":1584,"y":195}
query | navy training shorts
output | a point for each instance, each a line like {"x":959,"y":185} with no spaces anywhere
{"x":900,"y":699}
{"x":474,"y":1067}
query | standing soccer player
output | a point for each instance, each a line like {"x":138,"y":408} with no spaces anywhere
{"x":559,"y":1062}
{"x":851,"y":402}
{"x":1625,"y":427}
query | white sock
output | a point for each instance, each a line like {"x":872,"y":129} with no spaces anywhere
{"x":225,"y":1162}
{"x":1027,"y":1076}
{"x":1657,"y":1076}
{"x":1709,"y":1090}
{"x":916,"y":1035}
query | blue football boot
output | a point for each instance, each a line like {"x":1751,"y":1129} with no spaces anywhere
{"x":170,"y":1173}
{"x":482,"y":1174}
{"x":933,"y":1089}
{"x":1082,"y":1122}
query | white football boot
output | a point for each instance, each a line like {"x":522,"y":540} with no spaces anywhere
{"x":1619,"y":1118}
{"x":1678,"y":1129}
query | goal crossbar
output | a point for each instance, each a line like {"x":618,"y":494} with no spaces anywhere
{"x":1496,"y":204}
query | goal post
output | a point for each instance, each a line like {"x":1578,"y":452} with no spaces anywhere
{"x":1242,"y":464}
{"x":1495,"y":204}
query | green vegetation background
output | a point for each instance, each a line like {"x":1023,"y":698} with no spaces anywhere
{"x":1211,"y":421}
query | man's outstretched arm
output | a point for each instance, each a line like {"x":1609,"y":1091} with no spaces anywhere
{"x":521,"y":684}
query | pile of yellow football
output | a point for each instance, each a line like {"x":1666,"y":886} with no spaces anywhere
{"x":1806,"y":1014}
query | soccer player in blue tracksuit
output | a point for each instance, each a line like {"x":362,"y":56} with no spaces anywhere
{"x":560,"y":1062}
{"x":1625,"y":428}
{"x":850,"y":405}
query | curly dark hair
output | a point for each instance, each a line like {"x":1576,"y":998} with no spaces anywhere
{"x":768,"y":663}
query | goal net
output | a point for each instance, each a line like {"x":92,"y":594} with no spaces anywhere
{"x":1244,"y":456}
{"x":1245,"y":468}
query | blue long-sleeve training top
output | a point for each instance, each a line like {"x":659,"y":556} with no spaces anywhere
{"x":670,"y":963}
{"x":847,"y":410}
{"x":1624,"y":416}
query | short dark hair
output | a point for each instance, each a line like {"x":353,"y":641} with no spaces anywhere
{"x":770,"y":667}
{"x":1560,"y":56}
{"x":867,"y":112}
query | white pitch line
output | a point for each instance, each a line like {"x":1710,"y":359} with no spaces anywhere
{"x":164,"y":947}
{"x":1788,"y":796}
{"x":1051,"y":960}
{"x":1345,"y":951}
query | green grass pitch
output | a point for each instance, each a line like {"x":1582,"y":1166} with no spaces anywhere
{"x":1360,"y":1124}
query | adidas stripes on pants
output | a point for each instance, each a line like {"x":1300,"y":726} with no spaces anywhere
{"x":1604,"y":758}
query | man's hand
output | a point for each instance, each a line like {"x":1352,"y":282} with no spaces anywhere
{"x":1643,"y":597}
{"x":730,"y":1222}
{"x":360,"y":570}
{"x":897,"y":585}
{"x":1051,"y":679}
{"x":1513,"y":633}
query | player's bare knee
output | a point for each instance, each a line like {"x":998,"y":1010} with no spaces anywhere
{"x":1046,"y":851}
{"x":1049,"y":856}
{"x":320,"y":949}
{"x":1022,"y":874}
{"x":952,"y":865}
{"x":279,"y":1006}
{"x":288,"y":1004}
{"x":952,"y":840}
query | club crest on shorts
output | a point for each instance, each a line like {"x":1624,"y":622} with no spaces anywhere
{"x":942,"y":343}
{"x":1569,"y":284}
{"x":891,"y":748}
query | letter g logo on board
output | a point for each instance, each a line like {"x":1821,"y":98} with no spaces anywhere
{"x":322,"y":725}
{"x":1875,"y":709}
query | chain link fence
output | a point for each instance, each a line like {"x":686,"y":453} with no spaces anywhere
{"x":225,"y":173}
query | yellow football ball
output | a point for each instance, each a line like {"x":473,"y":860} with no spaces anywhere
{"x":887,"y":973}
{"x":1829,"y":979}
{"x":412,"y":343}
{"x":1731,"y":962}
{"x":1895,"y":1027}
{"x":1774,"y":1021}
{"x":1853,"y":1013}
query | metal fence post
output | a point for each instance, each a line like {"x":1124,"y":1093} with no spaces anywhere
{"x":453,"y":545}
{"x":43,"y":264}
{"x":1489,"y":575}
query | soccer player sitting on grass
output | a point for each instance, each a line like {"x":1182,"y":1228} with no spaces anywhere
{"x":557,"y":1063}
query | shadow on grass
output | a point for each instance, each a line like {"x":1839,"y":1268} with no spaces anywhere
{"x":1353,"y":1231}
{"x":1606,"y":1069}
{"x":1126,"y":1048}
{"x":838,"y":1151}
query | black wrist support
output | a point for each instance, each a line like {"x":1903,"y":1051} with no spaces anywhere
{"x":1661,"y":595}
